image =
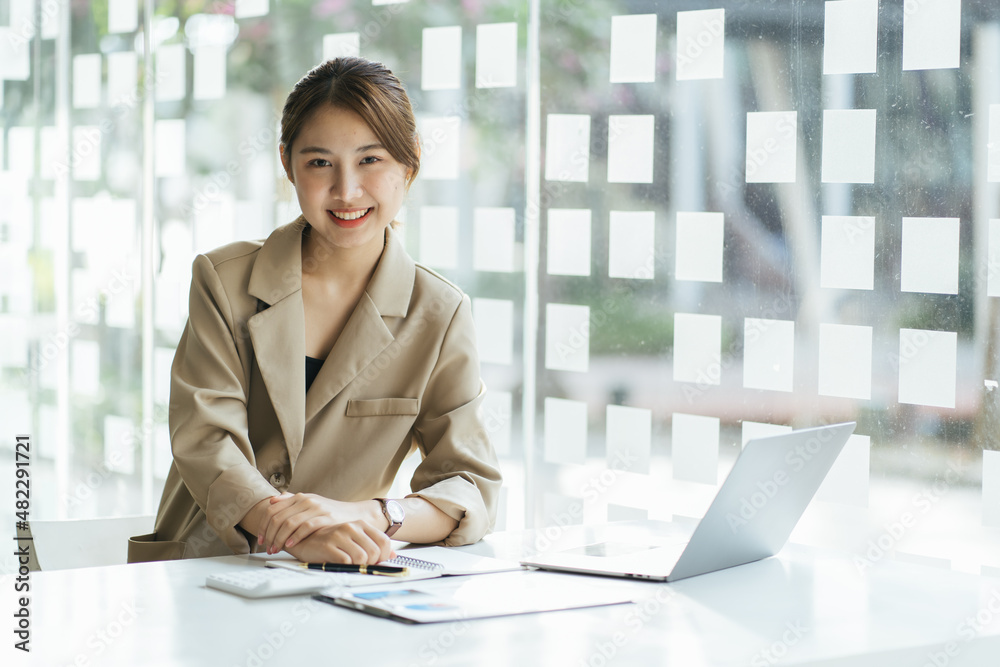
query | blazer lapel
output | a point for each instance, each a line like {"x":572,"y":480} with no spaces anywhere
{"x":277,"y":331}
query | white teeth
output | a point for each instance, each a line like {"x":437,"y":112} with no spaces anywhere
{"x":350,"y":216}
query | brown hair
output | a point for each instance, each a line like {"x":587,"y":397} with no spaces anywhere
{"x":368,"y":89}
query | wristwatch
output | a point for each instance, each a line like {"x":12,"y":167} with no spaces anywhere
{"x":394,"y":514}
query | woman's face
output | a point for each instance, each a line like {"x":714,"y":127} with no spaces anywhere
{"x":349,"y":187}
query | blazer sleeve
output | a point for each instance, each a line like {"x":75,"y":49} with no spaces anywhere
{"x":208,"y":411}
{"x":460,"y":474}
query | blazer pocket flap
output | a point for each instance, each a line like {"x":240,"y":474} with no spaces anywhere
{"x":146,"y":548}
{"x":381,"y":407}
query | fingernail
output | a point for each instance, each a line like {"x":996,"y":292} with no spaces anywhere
{"x":260,"y":539}
{"x":289,"y":543}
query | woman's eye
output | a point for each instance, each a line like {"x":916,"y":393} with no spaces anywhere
{"x":316,"y":162}
{"x":370,"y":159}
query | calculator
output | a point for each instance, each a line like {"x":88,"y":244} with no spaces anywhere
{"x":266,"y":582}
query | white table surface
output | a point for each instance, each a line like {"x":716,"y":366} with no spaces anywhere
{"x":805,"y":606}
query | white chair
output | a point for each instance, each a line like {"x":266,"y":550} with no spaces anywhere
{"x":62,"y":545}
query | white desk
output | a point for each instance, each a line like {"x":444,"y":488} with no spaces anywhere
{"x":803,"y":607}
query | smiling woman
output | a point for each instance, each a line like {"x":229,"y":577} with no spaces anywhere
{"x":284,"y":439}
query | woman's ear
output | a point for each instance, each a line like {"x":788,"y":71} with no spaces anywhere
{"x":285,"y":163}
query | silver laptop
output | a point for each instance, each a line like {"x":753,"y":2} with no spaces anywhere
{"x":751,"y":517}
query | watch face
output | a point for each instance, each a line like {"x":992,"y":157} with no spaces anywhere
{"x":395,"y":510}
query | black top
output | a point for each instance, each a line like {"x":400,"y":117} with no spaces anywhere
{"x":312,"y":370}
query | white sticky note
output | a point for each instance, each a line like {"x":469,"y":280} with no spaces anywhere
{"x":768,"y":354}
{"x":847,"y":481}
{"x":87,"y":81}
{"x":494,"y":239}
{"x":845,"y":361}
{"x":85,"y":367}
{"x":850,"y":37}
{"x":341,"y":44}
{"x":849,"y":146}
{"x":248,"y":8}
{"x":697,"y":348}
{"x":993,"y":259}
{"x":123,"y":15}
{"x":210,"y":72}
{"x":847,"y":252}
{"x":927,"y":367}
{"x":567,"y":147}
{"x":700,"y":239}
{"x":171,"y":72}
{"x":630,"y":149}
{"x":991,"y":488}
{"x":993,"y":145}
{"x":15,"y":55}
{"x":565,"y":431}
{"x":568,"y":242}
{"x":439,"y":141}
{"x":86,"y":149}
{"x":771,"y":146}
{"x":753,"y":430}
{"x":439,"y":236}
{"x":120,"y":443}
{"x":123,"y":81}
{"x":930,"y":255}
{"x":695,"y":448}
{"x":171,"y":153}
{"x":631,"y":245}
{"x":701,"y":41}
{"x":567,"y":337}
{"x":494,"y":329}
{"x":496,"y":55}
{"x":633,"y":48}
{"x":441,"y":58}
{"x":629,"y":436}
{"x":932,"y":34}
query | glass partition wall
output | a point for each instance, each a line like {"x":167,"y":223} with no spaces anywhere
{"x":682,"y":224}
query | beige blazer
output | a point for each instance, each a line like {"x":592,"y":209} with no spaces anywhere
{"x":403,"y":375}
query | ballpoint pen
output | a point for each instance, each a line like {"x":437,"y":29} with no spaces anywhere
{"x":384,"y":570}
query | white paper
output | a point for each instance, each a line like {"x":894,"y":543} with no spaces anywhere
{"x":927,"y":367}
{"x":845,"y":361}
{"x":171,"y":153}
{"x":695,"y":448}
{"x":567,"y":337}
{"x":932,"y":34}
{"x":847,"y":255}
{"x":494,"y":240}
{"x":930,"y":255}
{"x":123,"y":78}
{"x":247,"y":8}
{"x":753,"y":430}
{"x":630,"y":149}
{"x":494,"y":329}
{"x":771,"y":146}
{"x":497,"y":414}
{"x":993,"y":259}
{"x":439,"y":141}
{"x":439,"y":236}
{"x":993,"y":145}
{"x":123,"y":15}
{"x":341,"y":44}
{"x":171,"y":72}
{"x":568,"y":242}
{"x":850,"y":37}
{"x":85,"y":367}
{"x":991,"y":488}
{"x":567,"y":147}
{"x":631,"y":245}
{"x":496,"y":55}
{"x":849,"y":146}
{"x":847,"y":481}
{"x":697,"y":348}
{"x":86,"y":148}
{"x":768,"y":354}
{"x":87,"y":81}
{"x":633,"y":48}
{"x":441,"y":58}
{"x":15,"y":58}
{"x":700,"y":238}
{"x":565,"y":431}
{"x":701,"y":42}
{"x":210,"y":72}
{"x":629,"y":436}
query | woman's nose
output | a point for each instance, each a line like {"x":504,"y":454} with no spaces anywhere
{"x":346,"y":185}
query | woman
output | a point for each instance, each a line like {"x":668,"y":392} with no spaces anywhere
{"x":313,"y":363}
